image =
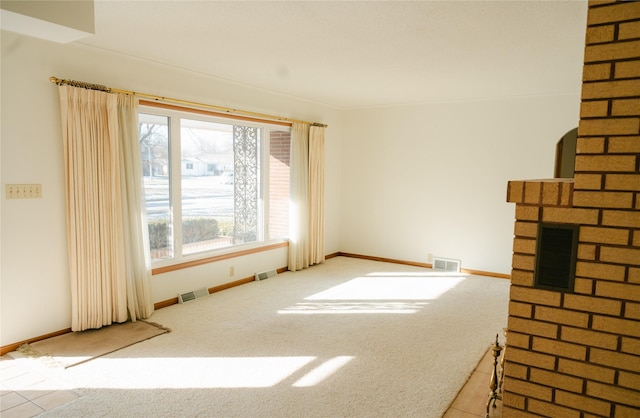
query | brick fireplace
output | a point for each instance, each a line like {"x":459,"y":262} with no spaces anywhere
{"x":576,"y":352}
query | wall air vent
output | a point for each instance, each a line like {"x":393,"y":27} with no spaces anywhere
{"x":193,"y":295}
{"x":266,"y":274}
{"x":446,"y":264}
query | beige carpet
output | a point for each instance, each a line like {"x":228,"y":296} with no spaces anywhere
{"x":78,"y":347}
{"x":348,"y":338}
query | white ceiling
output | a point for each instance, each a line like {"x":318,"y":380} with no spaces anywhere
{"x":351,"y":54}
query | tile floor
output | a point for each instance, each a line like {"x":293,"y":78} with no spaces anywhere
{"x":472,"y":399}
{"x":27,"y":392}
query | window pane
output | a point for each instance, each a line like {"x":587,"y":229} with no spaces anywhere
{"x":279,"y":147}
{"x":207,"y":185}
{"x":204,"y":179}
{"x":154,"y":149}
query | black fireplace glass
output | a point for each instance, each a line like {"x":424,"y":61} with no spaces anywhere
{"x":556,"y":256}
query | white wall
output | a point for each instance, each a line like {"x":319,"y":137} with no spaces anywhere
{"x":432,"y":179}
{"x":35,"y":293}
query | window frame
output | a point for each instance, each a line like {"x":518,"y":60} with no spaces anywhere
{"x":264,"y":242}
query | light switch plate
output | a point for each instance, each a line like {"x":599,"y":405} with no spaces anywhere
{"x":24,"y":191}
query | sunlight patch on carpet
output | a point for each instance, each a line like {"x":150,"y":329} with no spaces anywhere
{"x":200,"y":372}
{"x":388,"y":286}
{"x":373,"y":307}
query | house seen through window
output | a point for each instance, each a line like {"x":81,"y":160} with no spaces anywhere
{"x":212,"y":183}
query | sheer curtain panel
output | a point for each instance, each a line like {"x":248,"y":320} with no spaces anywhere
{"x":134,"y":213}
{"x":107,"y":278}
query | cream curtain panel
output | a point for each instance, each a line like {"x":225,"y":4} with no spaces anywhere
{"x":108,"y":254}
{"x":299,"y":198}
{"x":306,"y":223}
{"x":316,"y":194}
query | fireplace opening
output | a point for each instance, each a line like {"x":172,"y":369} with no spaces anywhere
{"x":556,"y":251}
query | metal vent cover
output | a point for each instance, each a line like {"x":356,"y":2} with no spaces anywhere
{"x":192,"y":295}
{"x":265,"y":274}
{"x":446,"y":264}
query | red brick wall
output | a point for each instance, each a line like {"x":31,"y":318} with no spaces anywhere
{"x":577,"y":354}
{"x":279,"y":155}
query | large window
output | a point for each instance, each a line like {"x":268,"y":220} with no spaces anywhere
{"x":212,"y":183}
